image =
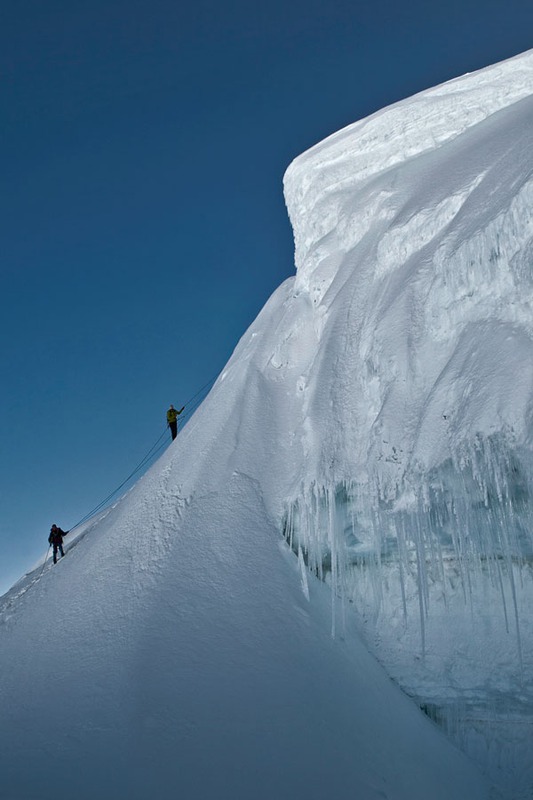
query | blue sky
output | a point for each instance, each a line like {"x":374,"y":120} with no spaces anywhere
{"x":143,"y":223}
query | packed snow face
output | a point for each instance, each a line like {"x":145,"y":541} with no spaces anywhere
{"x":414,"y":247}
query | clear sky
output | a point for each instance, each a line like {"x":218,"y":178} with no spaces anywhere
{"x":143,"y":223}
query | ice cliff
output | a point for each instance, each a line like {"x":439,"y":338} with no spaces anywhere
{"x":414,"y":248}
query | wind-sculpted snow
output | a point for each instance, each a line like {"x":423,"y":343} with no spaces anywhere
{"x":319,"y":181}
{"x":377,"y":414}
{"x":414,"y":246}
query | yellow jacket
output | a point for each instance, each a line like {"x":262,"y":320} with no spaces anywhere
{"x":172,"y":414}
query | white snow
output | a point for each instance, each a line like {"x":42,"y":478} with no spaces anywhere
{"x":172,"y":653}
{"x":413,"y":235}
{"x":377,"y":415}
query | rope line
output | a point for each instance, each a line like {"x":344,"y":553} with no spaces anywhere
{"x":152,"y":452}
{"x":45,"y":560}
{"x":150,"y":455}
{"x":209,"y":382}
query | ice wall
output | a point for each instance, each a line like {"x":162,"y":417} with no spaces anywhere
{"x":414,"y":250}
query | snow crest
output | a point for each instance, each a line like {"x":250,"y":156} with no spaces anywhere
{"x":414,"y":244}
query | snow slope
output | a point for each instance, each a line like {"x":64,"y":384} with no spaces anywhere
{"x":173,"y":654}
{"x":377,"y":414}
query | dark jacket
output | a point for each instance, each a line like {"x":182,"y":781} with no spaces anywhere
{"x":56,"y":535}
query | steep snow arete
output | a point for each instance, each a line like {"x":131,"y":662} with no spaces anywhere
{"x":361,"y":467}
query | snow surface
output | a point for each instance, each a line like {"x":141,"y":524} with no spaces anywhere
{"x":372,"y":429}
{"x":413,"y":234}
{"x":173,"y":654}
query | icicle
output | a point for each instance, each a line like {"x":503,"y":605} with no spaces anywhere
{"x":330,"y":505}
{"x":303,"y":573}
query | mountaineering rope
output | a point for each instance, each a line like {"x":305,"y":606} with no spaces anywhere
{"x":137,"y":468}
{"x":209,"y":382}
{"x":45,"y":560}
{"x":152,"y":452}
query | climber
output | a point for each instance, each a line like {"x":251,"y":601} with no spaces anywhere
{"x":56,"y":540}
{"x":172,"y":420}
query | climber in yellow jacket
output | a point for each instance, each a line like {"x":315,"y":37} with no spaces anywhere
{"x":172,"y":420}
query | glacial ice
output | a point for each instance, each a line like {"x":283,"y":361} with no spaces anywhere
{"x":414,"y":245}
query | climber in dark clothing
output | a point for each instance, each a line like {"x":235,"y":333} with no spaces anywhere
{"x":172,"y":419}
{"x":56,"y":540}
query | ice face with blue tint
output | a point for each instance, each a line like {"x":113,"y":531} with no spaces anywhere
{"x":414,"y":246}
